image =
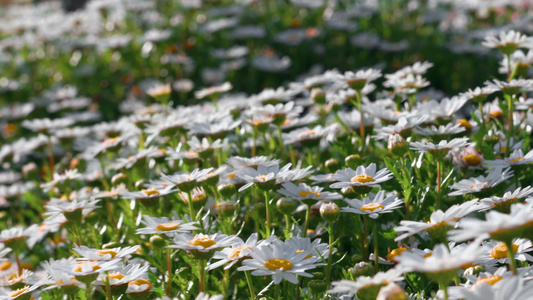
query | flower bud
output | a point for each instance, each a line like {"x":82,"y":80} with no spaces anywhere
{"x":353,"y":161}
{"x":362,"y":269}
{"x":329,"y":212}
{"x":332,"y":165}
{"x":287,"y":206}
{"x":317,"y":287}
{"x":318,"y":96}
{"x":391,"y":292}
{"x":157,"y":242}
{"x":397,"y":145}
{"x":227,"y":190}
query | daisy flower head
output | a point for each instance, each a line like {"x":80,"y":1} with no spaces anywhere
{"x":366,"y":287}
{"x":165,"y":225}
{"x":498,"y":226}
{"x":201,"y":245}
{"x":87,"y":271}
{"x":120,"y":277}
{"x":18,"y":237}
{"x":518,"y":59}
{"x":468,"y":157}
{"x":441,"y":132}
{"x":373,"y":205}
{"x":494,"y":288}
{"x":186,"y":182}
{"x":441,"y":265}
{"x":149,"y":196}
{"x":282,"y":261}
{"x":238,"y":251}
{"x":310,"y":137}
{"x":72,"y":210}
{"x":481,"y":185}
{"x":479,"y":94}
{"x":516,"y":158}
{"x":508,"y":42}
{"x":139,"y":288}
{"x":362,"y":179}
{"x":24,"y":292}
{"x":213,"y":91}
{"x":442,"y":146}
{"x":87,"y":253}
{"x":492,"y":252}
{"x":357,"y":80}
{"x":403,"y":127}
{"x":306,"y":193}
{"x":512,"y":87}
{"x":308,"y":246}
{"x":503,"y":203}
{"x":439,"y":222}
{"x":264,"y":177}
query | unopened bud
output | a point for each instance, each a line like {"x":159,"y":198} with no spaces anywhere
{"x":362,"y":269}
{"x":397,"y":145}
{"x":318,"y":96}
{"x":353,"y":161}
{"x":391,"y":292}
{"x":227,"y":190}
{"x":287,"y":206}
{"x":329,"y":211}
{"x":332,"y":165}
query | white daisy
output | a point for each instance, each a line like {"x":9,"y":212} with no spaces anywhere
{"x":481,"y":183}
{"x":87,"y":253}
{"x":373,"y":205}
{"x":165,"y":225}
{"x":370,"y":286}
{"x":282,"y":261}
{"x":361,"y":177}
{"x":305,"y":192}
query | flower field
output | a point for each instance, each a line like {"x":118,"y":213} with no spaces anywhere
{"x":266,"y":149}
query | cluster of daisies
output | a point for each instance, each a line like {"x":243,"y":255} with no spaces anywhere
{"x":359,"y":184}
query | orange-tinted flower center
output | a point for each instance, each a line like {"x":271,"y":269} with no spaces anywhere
{"x":278,"y":263}
{"x":203,"y":241}
{"x":362,"y":179}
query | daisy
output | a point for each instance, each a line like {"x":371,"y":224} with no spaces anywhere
{"x":468,"y":157}
{"x":205,"y":148}
{"x":441,"y":146}
{"x":165,"y":225}
{"x":264,"y":177}
{"x":238,"y":251}
{"x":512,"y":287}
{"x":508,"y":42}
{"x":441,"y":263}
{"x":494,"y":251}
{"x":139,"y":288}
{"x":373,"y":205}
{"x":310,"y":137}
{"x":87,"y":253}
{"x":304,"y":192}
{"x":503,"y":203}
{"x":358,"y":79}
{"x":309,"y":247}
{"x":512,"y":87}
{"x":366,"y":287}
{"x":17,"y":237}
{"x":516,"y":158}
{"x":149,"y":196}
{"x":439,"y":222}
{"x":24,"y":292}
{"x":361,"y":177}
{"x":440,"y":131}
{"x":185,"y":181}
{"x":481,"y":183}
{"x":120,"y":277}
{"x":479,"y":94}
{"x":282,"y":261}
{"x":498,"y":226}
{"x":201,"y":242}
{"x":72,"y":210}
{"x":214,"y":130}
{"x":403,"y":127}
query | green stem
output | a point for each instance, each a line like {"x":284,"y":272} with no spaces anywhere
{"x":277,"y":292}
{"x":191,"y":209}
{"x":510,"y":254}
{"x":169,"y":273}
{"x":444,"y":287}
{"x":288,"y":225}
{"x":439,"y":175}
{"x":307,"y":217}
{"x":250,"y":285}
{"x":510,"y":108}
{"x":108,"y":287}
{"x":267,"y":208}
{"x":202,"y":278}
{"x":330,"y":254}
{"x":362,"y":124}
{"x":280,"y":139}
{"x":375,"y":235}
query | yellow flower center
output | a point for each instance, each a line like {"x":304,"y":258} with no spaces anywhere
{"x":237,"y":251}
{"x":506,"y":202}
{"x":262,"y":177}
{"x":286,"y":122}
{"x":472,"y":159}
{"x":150,"y":192}
{"x":232,"y":175}
{"x":307,"y":132}
{"x":19,"y":292}
{"x":503,"y":149}
{"x":362,"y":178}
{"x":500,"y":251}
{"x":516,"y":159}
{"x":106,"y":251}
{"x":116,"y":275}
{"x":395,"y":252}
{"x":428,"y":254}
{"x":203,"y":241}
{"x":306,"y":193}
{"x":110,"y":141}
{"x":464,"y":123}
{"x":167,"y":226}
{"x":5,"y":265}
{"x":496,"y":114}
{"x":469,"y":265}
{"x":88,"y":265}
{"x":490,"y":280}
{"x":306,"y":257}
{"x":140,"y":282}
{"x":371,"y":207}
{"x":278,"y":263}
